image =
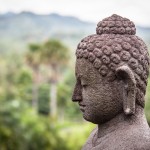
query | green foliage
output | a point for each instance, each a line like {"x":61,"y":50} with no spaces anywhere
{"x":9,"y":131}
{"x":54,"y":52}
{"x":33,"y":57}
{"x":22,"y":129}
{"x":34,"y":47}
{"x":54,"y":56}
{"x":76,"y":134}
{"x":24,"y":84}
{"x":65,"y":90}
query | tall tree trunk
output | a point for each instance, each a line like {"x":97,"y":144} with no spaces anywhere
{"x":62,"y":114}
{"x":53,"y":92}
{"x":35,"y":89}
{"x":53,"y":99}
{"x":35,"y":96}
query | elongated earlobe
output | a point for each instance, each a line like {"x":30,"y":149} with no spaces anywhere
{"x":129,"y":89}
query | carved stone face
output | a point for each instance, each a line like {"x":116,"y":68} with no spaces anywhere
{"x":99,"y":99}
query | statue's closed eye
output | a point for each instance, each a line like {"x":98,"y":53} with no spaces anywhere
{"x":84,"y":83}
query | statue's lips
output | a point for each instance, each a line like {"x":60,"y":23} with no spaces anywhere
{"x":82,"y":107}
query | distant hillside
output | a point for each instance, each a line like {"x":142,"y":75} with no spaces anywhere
{"x":17,"y":30}
{"x":144,"y":32}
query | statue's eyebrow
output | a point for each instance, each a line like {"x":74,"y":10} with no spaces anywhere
{"x":79,"y":76}
{"x":84,"y":79}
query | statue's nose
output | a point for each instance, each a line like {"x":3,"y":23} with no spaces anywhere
{"x":77,"y":94}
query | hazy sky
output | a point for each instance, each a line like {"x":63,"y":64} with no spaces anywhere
{"x":90,"y":10}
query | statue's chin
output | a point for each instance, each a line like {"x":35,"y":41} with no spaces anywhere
{"x":90,"y":119}
{"x":95,"y":119}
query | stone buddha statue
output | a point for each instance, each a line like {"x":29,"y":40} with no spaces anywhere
{"x":112,"y":68}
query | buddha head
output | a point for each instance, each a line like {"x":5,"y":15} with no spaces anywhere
{"x":111,"y":71}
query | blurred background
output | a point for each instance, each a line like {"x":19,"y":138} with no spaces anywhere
{"x":38,"y":40}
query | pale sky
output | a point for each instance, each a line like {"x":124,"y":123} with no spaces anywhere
{"x":88,"y":10}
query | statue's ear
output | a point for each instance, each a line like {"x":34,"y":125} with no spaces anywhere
{"x":129,"y":89}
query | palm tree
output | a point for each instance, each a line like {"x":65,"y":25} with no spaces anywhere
{"x":33,"y":59}
{"x":55,"y":56}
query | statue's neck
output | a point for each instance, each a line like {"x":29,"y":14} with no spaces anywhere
{"x":122,"y":121}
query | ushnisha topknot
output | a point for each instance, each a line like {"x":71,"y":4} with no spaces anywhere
{"x":116,"y":44}
{"x":116,"y":25}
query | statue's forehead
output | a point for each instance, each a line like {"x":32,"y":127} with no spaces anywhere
{"x":84,"y":69}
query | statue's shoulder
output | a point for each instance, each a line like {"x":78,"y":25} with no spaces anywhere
{"x":89,"y":144}
{"x":135,"y":139}
{"x":131,"y":139}
{"x":135,"y":144}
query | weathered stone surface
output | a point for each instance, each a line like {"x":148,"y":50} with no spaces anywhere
{"x":112,"y":70}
